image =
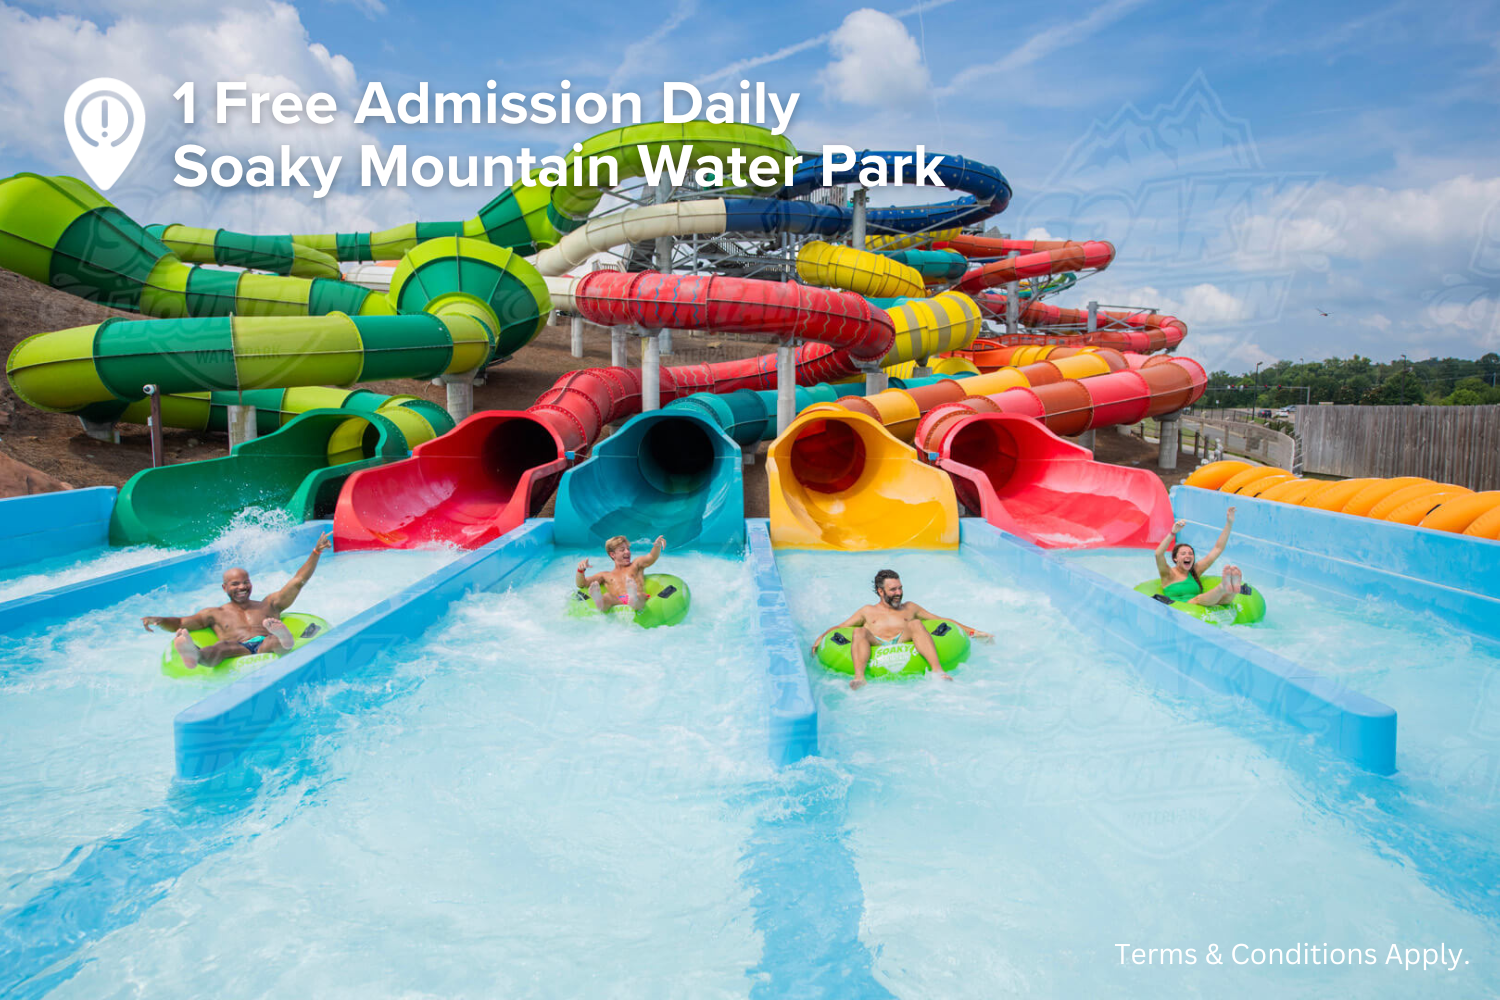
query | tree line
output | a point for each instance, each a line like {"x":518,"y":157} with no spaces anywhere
{"x":1360,"y":381}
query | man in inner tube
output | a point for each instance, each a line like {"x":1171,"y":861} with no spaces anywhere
{"x":243,"y":627}
{"x":892,"y":619}
{"x":625,"y":582}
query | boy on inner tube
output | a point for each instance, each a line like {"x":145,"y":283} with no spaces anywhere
{"x":1182,"y":578}
{"x":626,"y":582}
{"x":243,"y":627}
{"x":892,"y":619}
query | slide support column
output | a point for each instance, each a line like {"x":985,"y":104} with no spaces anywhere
{"x":786,"y":385}
{"x":651,"y":370}
{"x":241,"y":421}
{"x":460,"y":392}
{"x":1169,"y":429}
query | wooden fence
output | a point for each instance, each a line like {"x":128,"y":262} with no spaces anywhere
{"x":1448,"y":444}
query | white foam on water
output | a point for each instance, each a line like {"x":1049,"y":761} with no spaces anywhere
{"x":522,"y":803}
{"x":1012,"y":826}
{"x":86,"y":714}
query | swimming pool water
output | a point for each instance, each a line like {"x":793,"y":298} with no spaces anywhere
{"x":521,"y":803}
{"x":85,"y":713}
{"x":1012,"y":827}
{"x":1441,"y":681}
{"x":75,"y":567}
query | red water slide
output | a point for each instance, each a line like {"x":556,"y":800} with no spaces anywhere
{"x":1024,"y":479}
{"x":1000,"y":465}
{"x":1042,"y":259}
{"x":1123,"y":331}
{"x":499,"y":467}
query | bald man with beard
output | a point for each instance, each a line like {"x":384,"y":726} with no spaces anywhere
{"x":243,"y":626}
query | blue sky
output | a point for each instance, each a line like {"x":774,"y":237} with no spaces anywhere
{"x":1256,"y":164}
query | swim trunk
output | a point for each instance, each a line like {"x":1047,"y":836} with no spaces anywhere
{"x":253,"y":644}
{"x":884,"y":642}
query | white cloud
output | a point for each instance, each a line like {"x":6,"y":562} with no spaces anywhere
{"x":739,"y":67}
{"x":156,"y":49}
{"x":1198,"y":305}
{"x":1379,"y":321}
{"x":1070,"y":31}
{"x":370,"y":8}
{"x":1366,"y":222}
{"x":1228,"y":352}
{"x":645,"y":55}
{"x":876,"y":63}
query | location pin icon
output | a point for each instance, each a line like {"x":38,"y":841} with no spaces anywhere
{"x":104,"y":121}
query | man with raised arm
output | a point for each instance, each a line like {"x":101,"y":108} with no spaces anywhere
{"x":625,"y":581}
{"x":892,"y":619}
{"x":243,"y":626}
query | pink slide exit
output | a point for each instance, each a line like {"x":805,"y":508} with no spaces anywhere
{"x":1022,"y":478}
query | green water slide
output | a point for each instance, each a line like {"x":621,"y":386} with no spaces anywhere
{"x":219,"y":338}
{"x":419,"y":419}
{"x":299,"y":469}
{"x":454,"y":306}
{"x":279,"y":254}
{"x":525,"y":218}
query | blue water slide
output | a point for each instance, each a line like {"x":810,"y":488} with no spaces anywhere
{"x":988,"y":194}
{"x":676,"y":471}
{"x":670,"y":472}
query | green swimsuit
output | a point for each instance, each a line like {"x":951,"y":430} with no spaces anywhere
{"x":1183,"y":590}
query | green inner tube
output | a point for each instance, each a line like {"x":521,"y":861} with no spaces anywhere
{"x":304,"y":629}
{"x":1247,"y":608}
{"x":896,"y":659}
{"x":667,"y":600}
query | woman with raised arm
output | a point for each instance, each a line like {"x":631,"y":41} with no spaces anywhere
{"x":1182,"y":576}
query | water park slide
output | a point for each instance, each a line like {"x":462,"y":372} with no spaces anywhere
{"x":1124,"y":331}
{"x":277,"y":254}
{"x":31,"y":367}
{"x":1069,"y":396}
{"x":441,"y":494}
{"x":469,"y":504}
{"x":1355,"y":558}
{"x":482,"y":505}
{"x":837,"y":480}
{"x":672,"y":471}
{"x":1024,"y":479}
{"x":299,"y":468}
{"x":817,"y":257}
{"x":532,"y":218}
{"x":1127,"y":513}
{"x":454,"y":305}
{"x":665,"y":472}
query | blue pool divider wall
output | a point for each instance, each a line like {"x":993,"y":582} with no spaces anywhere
{"x":794,"y":713}
{"x":1351,"y":557}
{"x":1187,"y":656}
{"x":214,"y":733}
{"x":75,"y":599}
{"x":45,"y":525}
